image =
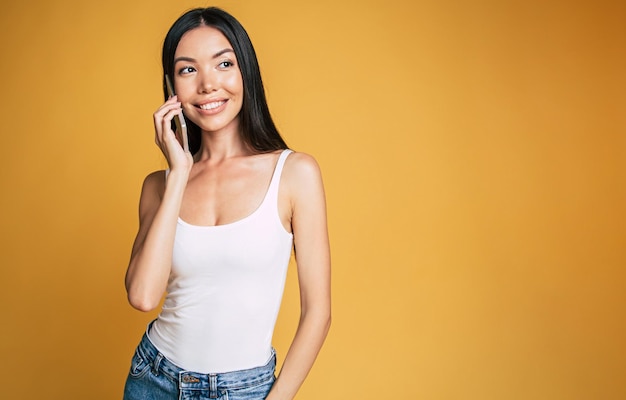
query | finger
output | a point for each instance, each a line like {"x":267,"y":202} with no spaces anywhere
{"x":164,"y":109}
{"x":166,"y":130}
{"x":163,"y":114}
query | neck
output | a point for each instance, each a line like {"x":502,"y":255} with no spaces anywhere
{"x":223,"y":144}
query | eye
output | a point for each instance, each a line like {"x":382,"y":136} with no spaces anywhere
{"x":226,"y":64}
{"x":186,"y":70}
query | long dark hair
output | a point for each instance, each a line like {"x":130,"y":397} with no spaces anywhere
{"x":257,"y":128}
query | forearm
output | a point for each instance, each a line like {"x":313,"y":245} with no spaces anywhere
{"x":307,"y":342}
{"x":150,"y":264}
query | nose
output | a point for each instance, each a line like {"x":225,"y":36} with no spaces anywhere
{"x":207,"y":81}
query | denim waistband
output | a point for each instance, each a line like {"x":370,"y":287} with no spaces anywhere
{"x":211,"y":381}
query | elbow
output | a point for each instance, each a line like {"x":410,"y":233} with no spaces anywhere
{"x":323,"y":323}
{"x":321,"y":318}
{"x":140,"y":296}
{"x":328,"y":322}
{"x":142,"y":303}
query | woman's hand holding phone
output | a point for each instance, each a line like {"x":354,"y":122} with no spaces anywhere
{"x":179,"y":120}
{"x":166,"y":138}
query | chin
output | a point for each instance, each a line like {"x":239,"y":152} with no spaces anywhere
{"x":216,"y":127}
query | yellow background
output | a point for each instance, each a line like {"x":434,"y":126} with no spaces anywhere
{"x":474,"y":160}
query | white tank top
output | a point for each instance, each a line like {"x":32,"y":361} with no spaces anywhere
{"x":225,"y":289}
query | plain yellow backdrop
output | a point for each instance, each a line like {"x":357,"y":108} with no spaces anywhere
{"x":474,"y":160}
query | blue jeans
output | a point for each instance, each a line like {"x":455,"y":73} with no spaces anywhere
{"x":154,"y":377}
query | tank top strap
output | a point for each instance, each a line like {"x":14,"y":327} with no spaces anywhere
{"x":272,"y":191}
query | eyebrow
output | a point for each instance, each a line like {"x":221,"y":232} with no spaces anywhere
{"x":216,"y":55}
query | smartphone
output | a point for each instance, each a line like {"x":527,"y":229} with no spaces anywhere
{"x":179,"y":120}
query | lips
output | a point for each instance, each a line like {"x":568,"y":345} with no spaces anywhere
{"x":211,"y":105}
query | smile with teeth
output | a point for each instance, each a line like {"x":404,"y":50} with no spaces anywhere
{"x":212,"y":105}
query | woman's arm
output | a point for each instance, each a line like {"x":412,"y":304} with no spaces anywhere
{"x":150,"y":261}
{"x":159,"y":207}
{"x":304,"y":182}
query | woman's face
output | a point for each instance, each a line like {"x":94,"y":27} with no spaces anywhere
{"x":207,"y":80}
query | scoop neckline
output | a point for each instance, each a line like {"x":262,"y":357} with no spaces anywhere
{"x":249,"y":216}
{"x":241,"y":220}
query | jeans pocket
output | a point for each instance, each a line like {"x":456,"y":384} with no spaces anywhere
{"x":256,"y":391}
{"x":138,"y":366}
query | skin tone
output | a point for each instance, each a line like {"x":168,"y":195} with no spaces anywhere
{"x":207,"y":190}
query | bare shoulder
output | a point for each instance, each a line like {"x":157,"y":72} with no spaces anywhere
{"x":302,"y":175}
{"x":155,"y":182}
{"x":301,"y":166}
{"x":301,"y":197}
{"x":152,"y":192}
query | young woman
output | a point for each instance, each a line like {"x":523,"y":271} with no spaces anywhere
{"x":217,"y":230}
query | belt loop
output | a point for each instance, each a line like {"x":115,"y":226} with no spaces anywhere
{"x":157,"y":363}
{"x":213,"y":386}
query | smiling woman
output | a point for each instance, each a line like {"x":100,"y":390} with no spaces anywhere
{"x":209,"y":86}
{"x":217,"y":230}
{"x":257,"y":128}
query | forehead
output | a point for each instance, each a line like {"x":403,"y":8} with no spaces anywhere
{"x":204,"y":40}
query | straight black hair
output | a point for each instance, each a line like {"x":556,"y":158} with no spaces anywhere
{"x":257,"y":129}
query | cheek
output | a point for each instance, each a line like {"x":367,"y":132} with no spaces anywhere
{"x":185,"y":91}
{"x":233,"y":83}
